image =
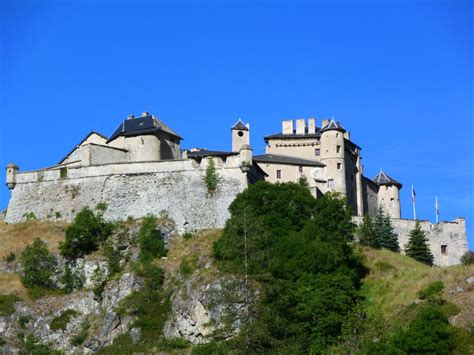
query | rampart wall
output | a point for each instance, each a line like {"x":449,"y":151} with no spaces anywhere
{"x":447,"y":240}
{"x":175,"y":188}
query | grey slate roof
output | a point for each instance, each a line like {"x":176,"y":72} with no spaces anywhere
{"x":239,"y":125}
{"x":210,"y":153}
{"x":282,"y":159}
{"x":140,"y":126}
{"x":333,"y":125}
{"x":294,"y":135}
{"x":383,"y":179}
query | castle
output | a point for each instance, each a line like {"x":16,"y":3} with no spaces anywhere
{"x":141,"y":169}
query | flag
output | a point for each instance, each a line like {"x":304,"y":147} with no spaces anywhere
{"x":413,"y":194}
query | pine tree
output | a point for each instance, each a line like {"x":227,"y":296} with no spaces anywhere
{"x":366,"y":232}
{"x":417,"y":246}
{"x":385,"y":237}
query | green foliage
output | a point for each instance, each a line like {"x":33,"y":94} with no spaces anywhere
{"x":428,"y":333}
{"x":81,"y":337}
{"x":60,"y":322}
{"x":99,"y":280}
{"x":39,"y":265}
{"x":169,"y":344}
{"x":298,"y":248}
{"x":7,"y":304}
{"x":213,"y":348}
{"x":151,"y":240}
{"x":188,"y":265}
{"x":385,"y":237}
{"x":10,"y":257}
{"x":303,"y":181}
{"x":23,"y":321}
{"x":71,"y":280}
{"x":113,"y":256}
{"x":211,"y":178}
{"x":30,"y":216}
{"x":418,"y":247}
{"x":366,"y":232}
{"x":85,"y":234}
{"x":32,"y":346}
{"x":150,"y":305}
{"x":433,"y":290}
{"x":468,"y":258}
{"x":187,"y":235}
{"x":101,"y":207}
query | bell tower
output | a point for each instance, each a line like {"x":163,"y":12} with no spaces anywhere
{"x":240,"y":135}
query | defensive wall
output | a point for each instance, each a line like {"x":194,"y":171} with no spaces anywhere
{"x":175,"y":188}
{"x":447,"y":240}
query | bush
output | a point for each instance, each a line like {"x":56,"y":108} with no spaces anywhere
{"x":71,"y":280}
{"x":211,"y":179}
{"x":433,"y":290}
{"x":468,"y":258}
{"x":39,"y":265}
{"x":85,"y":234}
{"x":60,"y":322}
{"x":7,"y":304}
{"x":32,"y":346}
{"x":113,"y":256}
{"x":151,"y":240}
{"x":10,"y":257}
{"x":81,"y":337}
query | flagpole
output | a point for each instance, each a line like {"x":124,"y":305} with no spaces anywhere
{"x":437,"y":210}
{"x":413,"y":201}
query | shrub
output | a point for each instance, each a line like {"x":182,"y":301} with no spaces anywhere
{"x":113,"y":256}
{"x":187,"y":235}
{"x":23,"y":321}
{"x":433,"y":290}
{"x":10,"y":257}
{"x":188,"y":265}
{"x":468,"y":258}
{"x":30,"y":216}
{"x":211,"y":179}
{"x":71,"y":280}
{"x":39,"y":265}
{"x":60,"y":322}
{"x":7,"y":304}
{"x":81,"y":337}
{"x":85,"y":234}
{"x":32,"y":346}
{"x":151,"y":240}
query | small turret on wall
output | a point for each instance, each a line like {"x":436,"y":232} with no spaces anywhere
{"x":12,"y":170}
{"x":240,"y":135}
{"x":245,"y":154}
{"x":388,"y":194}
{"x":332,"y":155}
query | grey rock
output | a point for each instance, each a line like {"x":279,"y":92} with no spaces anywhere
{"x":470,"y":280}
{"x":135,"y":334}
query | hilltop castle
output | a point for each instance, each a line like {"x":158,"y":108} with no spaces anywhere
{"x":141,"y":169}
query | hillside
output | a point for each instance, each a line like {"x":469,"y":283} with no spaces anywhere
{"x":195,"y":306}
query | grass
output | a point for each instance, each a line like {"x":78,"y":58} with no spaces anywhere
{"x":394,"y":280}
{"x":7,"y":304}
{"x":60,"y":322}
{"x":11,"y":284}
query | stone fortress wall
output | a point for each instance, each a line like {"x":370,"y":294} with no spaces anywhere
{"x":175,"y":188}
{"x":447,"y":240}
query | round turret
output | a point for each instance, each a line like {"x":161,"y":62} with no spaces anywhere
{"x":332,"y":155}
{"x":12,"y":170}
{"x":388,"y":194}
{"x":245,"y":154}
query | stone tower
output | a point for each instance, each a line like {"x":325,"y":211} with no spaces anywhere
{"x":12,"y":170}
{"x":332,"y":155}
{"x":389,"y":194}
{"x":240,"y":135}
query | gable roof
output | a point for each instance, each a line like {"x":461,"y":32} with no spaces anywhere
{"x":210,"y":153}
{"x":383,"y":179}
{"x":141,"y":126}
{"x":239,"y":125}
{"x":293,"y":135}
{"x":333,"y":125}
{"x":78,"y":145}
{"x":283,"y":159}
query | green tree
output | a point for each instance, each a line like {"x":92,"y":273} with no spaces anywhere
{"x":211,"y":179}
{"x":385,"y":237}
{"x":366,"y":232}
{"x":85,"y":234}
{"x":151,"y":240}
{"x":39,"y":265}
{"x":417,"y":246}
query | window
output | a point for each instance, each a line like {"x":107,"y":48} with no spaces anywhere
{"x":444,"y":249}
{"x":278,"y":174}
{"x":331,"y":183}
{"x":240,"y":133}
{"x":301,"y":169}
{"x":338,"y":149}
{"x":317,"y":152}
{"x":338,"y":166}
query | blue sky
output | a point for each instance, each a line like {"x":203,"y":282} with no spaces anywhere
{"x":398,"y":75}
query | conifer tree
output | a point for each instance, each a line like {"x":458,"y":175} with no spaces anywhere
{"x":417,"y":246}
{"x":385,"y":237}
{"x":366,"y":232}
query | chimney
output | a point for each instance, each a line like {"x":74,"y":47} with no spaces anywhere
{"x":300,"y":126}
{"x":130,"y":116}
{"x":311,"y":125}
{"x":325,"y":122}
{"x":347,"y":135}
{"x":145,"y":114}
{"x":287,"y":127}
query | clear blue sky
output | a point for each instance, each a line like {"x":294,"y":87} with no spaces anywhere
{"x":398,"y":75}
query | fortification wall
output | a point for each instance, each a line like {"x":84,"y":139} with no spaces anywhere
{"x":452,"y":235}
{"x":175,"y":187}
